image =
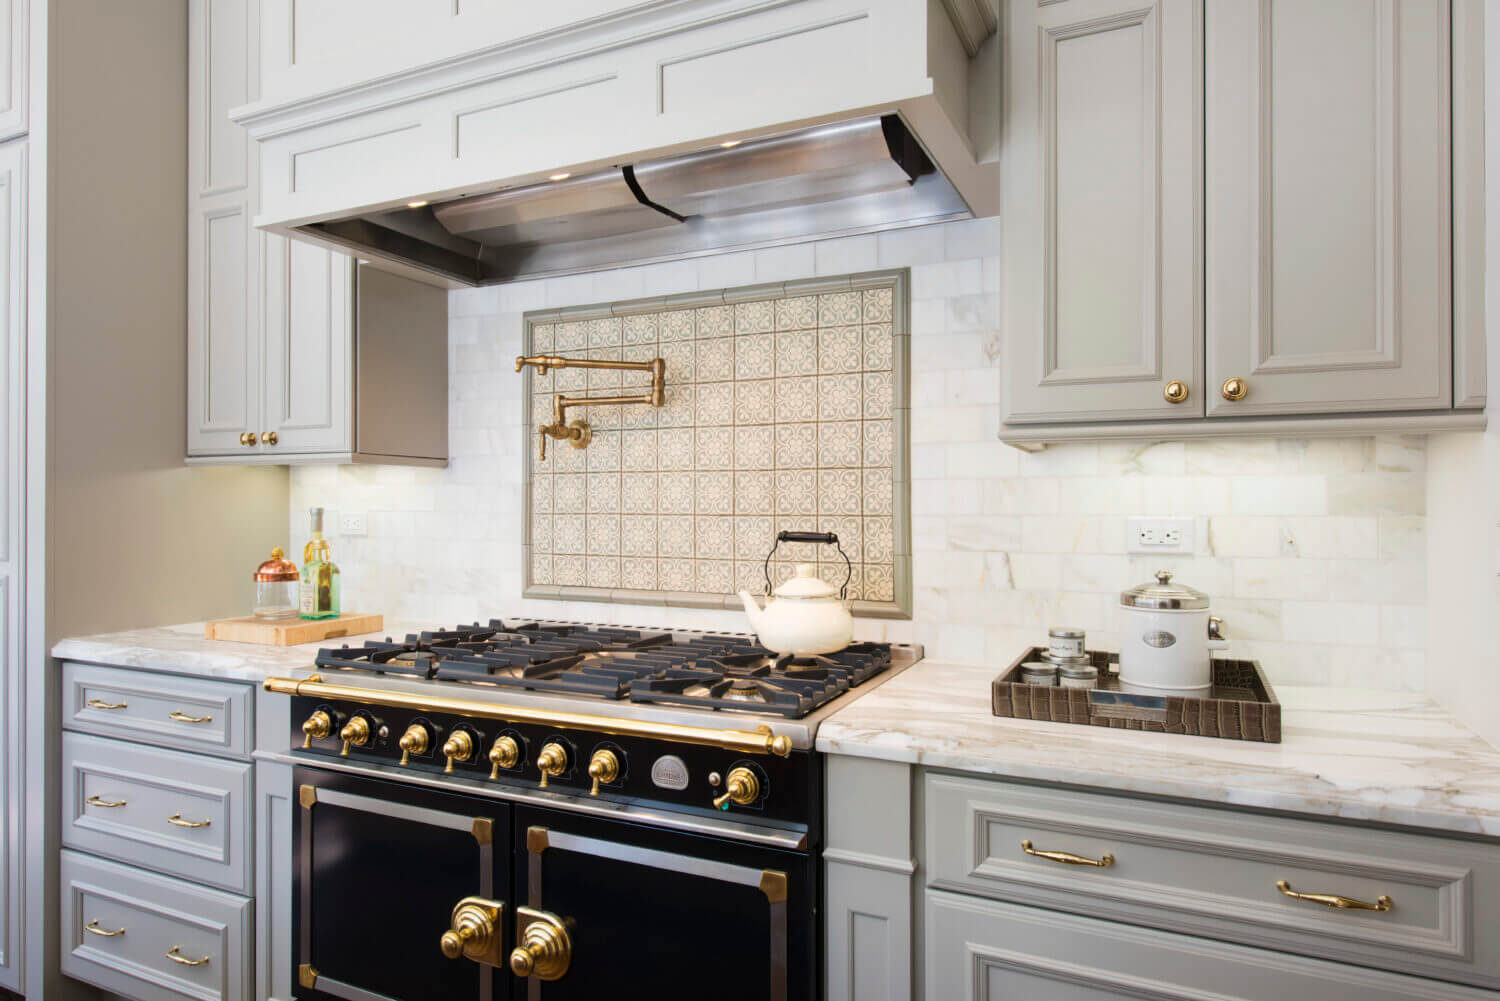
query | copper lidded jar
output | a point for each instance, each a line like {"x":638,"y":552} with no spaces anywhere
{"x":276,"y":587}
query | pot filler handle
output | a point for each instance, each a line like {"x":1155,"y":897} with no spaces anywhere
{"x":820,"y":538}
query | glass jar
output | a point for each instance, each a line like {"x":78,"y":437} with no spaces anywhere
{"x":276,"y":587}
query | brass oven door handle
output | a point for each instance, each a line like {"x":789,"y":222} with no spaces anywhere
{"x":101,"y":704}
{"x":177,"y":821}
{"x":544,"y":948}
{"x":185,"y":718}
{"x":1068,"y":858}
{"x":176,"y":956}
{"x":106,"y":803}
{"x":93,"y":929}
{"x":1382,"y":903}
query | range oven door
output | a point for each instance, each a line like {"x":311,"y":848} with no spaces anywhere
{"x":381,"y":871}
{"x":604,"y":907}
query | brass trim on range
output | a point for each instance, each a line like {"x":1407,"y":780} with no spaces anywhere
{"x":1068,"y":858}
{"x":474,"y":932}
{"x":544,"y":949}
{"x":483,"y":830}
{"x":761,"y":741}
{"x":307,"y":976}
{"x":307,"y":796}
{"x":1382,"y":903}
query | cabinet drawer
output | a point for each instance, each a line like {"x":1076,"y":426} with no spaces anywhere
{"x":164,"y":710}
{"x":160,"y":925}
{"x":1217,"y":872}
{"x":164,"y":810}
{"x":986,"y":951}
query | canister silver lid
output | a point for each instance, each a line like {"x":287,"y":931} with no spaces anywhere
{"x":1162,"y":593}
{"x":1066,"y":632}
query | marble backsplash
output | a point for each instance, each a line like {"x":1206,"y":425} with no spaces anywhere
{"x":1313,"y":550}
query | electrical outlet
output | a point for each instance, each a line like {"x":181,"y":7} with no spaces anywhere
{"x":1160,"y":535}
{"x":351,"y":523}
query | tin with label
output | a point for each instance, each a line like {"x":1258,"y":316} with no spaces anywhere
{"x":1064,"y":643}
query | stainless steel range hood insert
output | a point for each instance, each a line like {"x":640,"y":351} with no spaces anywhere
{"x":856,"y":176}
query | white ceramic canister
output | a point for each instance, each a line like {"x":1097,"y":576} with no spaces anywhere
{"x":1166,"y":635}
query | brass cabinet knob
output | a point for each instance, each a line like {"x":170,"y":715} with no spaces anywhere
{"x":1234,"y":389}
{"x":604,"y":767}
{"x":413,"y":741}
{"x":552,"y":761}
{"x":505,"y":754}
{"x":356,"y":733}
{"x":316,"y":727}
{"x":459,"y":747}
{"x":543,"y":948}
{"x":742,"y":787}
{"x":1175,"y":392}
{"x":247,"y":437}
{"x":474,"y":932}
{"x":268,"y":437}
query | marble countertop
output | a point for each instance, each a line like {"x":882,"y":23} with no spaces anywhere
{"x":1390,"y":757}
{"x":183,"y":649}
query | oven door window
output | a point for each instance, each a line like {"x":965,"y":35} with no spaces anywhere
{"x":380,"y":869}
{"x":635,"y":905}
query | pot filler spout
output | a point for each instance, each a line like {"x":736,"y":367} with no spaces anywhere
{"x":849,"y":177}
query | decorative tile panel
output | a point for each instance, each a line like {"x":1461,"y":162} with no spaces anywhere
{"x":785,"y":407}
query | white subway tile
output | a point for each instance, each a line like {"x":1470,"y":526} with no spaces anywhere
{"x":972,"y":238}
{"x":1342,"y":623}
{"x":848,"y":255}
{"x":783,"y":263}
{"x":717,"y":271}
{"x":899,"y":248}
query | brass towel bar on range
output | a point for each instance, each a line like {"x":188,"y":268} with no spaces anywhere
{"x":760,"y":741}
{"x":578,"y":433}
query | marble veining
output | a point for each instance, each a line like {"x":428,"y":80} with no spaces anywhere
{"x":1359,"y":754}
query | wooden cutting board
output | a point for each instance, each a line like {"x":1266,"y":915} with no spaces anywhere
{"x":290,"y":632}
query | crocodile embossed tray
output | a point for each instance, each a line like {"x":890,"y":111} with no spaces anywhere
{"x":1240,"y":706}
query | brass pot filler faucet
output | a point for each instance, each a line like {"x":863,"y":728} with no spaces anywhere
{"x":578,"y":433}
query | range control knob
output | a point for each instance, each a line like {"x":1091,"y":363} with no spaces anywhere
{"x":552,"y":761}
{"x":742,"y":788}
{"x":316,"y":727}
{"x":604,"y":767}
{"x":505,"y":754}
{"x":356,"y":733}
{"x":458,"y":747}
{"x":415,"y":740}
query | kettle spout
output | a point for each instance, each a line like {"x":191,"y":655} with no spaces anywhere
{"x":752,"y":610}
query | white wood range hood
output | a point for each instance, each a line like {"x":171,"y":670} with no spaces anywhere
{"x":466,"y":144}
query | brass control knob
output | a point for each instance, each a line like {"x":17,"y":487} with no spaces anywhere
{"x":544,"y":948}
{"x":459,"y":747}
{"x":356,"y":733}
{"x":474,"y":931}
{"x":316,"y":727}
{"x":504,"y":754}
{"x":552,"y":761}
{"x":604,"y":767}
{"x":414,"y":741}
{"x":742,"y":788}
{"x":1234,"y":389}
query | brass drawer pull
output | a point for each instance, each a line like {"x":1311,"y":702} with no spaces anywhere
{"x":107,"y":803}
{"x":176,"y":820}
{"x":1068,"y":858}
{"x":1382,"y":903}
{"x":1175,"y":392}
{"x":185,"y":718}
{"x":101,"y":704}
{"x":93,"y":929}
{"x":176,"y":956}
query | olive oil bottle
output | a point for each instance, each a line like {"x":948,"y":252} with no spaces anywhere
{"x":318,"y":596}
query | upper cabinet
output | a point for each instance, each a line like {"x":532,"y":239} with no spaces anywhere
{"x":274,"y":366}
{"x":1303,"y":267}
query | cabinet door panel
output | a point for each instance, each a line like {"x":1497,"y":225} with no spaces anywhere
{"x":1102,"y":201}
{"x":13,"y":268}
{"x":1328,"y":216}
{"x":309,"y":301}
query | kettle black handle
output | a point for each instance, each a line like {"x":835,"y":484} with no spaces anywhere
{"x":823,"y":538}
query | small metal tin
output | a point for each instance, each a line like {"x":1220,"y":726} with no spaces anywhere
{"x":1067,"y":661}
{"x":1064,"y":642}
{"x":1079,"y":676}
{"x":1035,"y":672}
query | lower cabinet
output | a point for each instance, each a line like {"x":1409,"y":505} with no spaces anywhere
{"x":983,"y":950}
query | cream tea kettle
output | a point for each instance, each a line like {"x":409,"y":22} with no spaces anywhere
{"x":805,"y":616}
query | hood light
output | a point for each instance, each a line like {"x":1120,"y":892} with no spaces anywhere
{"x":560,"y":177}
{"x":731,"y":144}
{"x":417,"y":204}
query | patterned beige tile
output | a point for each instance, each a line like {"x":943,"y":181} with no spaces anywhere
{"x":838,"y":397}
{"x":713,"y":493}
{"x":879,"y":546}
{"x":541,"y":343}
{"x":714,"y":321}
{"x":877,"y":305}
{"x":750,"y":576}
{"x":676,"y":495}
{"x":754,"y":356}
{"x":604,"y":452}
{"x":754,"y":492}
{"x":541,"y":533}
{"x":796,"y":492}
{"x":638,"y":451}
{"x":676,"y":575}
{"x":878,"y":395}
{"x":839,"y":444}
{"x":675,"y":448}
{"x":715,"y":360}
{"x":754,"y":402}
{"x":839,"y":350}
{"x":796,"y":446}
{"x":754,"y":317}
{"x":570,"y":494}
{"x":605,"y":332}
{"x":541,"y":568}
{"x":567,"y":459}
{"x":796,"y":353}
{"x":715,"y":576}
{"x":568,"y":571}
{"x":838,"y":309}
{"x":878,"y":347}
{"x":877,"y":492}
{"x":878,"y":447}
{"x":603,"y":534}
{"x":714,"y":448}
{"x":879,"y":583}
{"x":839,"y":491}
{"x":603,"y":378}
{"x":796,"y":400}
{"x":603,"y":571}
{"x":603,"y":492}
{"x":569,"y":533}
{"x":638,"y":574}
{"x":640,"y":328}
{"x":715,"y":403}
{"x":676,"y":325}
{"x":638,"y":493}
{"x":637,"y":536}
{"x":680,"y":409}
{"x":571,"y":336}
{"x":845,"y":577}
{"x":755,"y":447}
{"x":713,"y":538}
{"x":797,"y":313}
{"x":753,"y":537}
{"x":541,"y":494}
{"x":674,"y":535}
{"x":850,"y":532}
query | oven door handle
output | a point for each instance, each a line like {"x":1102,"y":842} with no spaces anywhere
{"x":543,"y":946}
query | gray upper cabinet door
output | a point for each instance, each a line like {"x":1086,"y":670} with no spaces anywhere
{"x":1102,"y":200}
{"x":1328,"y":205}
{"x":223,"y":284}
{"x":308,"y":328}
{"x":13,"y":268}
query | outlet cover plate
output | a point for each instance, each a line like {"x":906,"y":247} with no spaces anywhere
{"x":1159,"y":535}
{"x":351,"y":523}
